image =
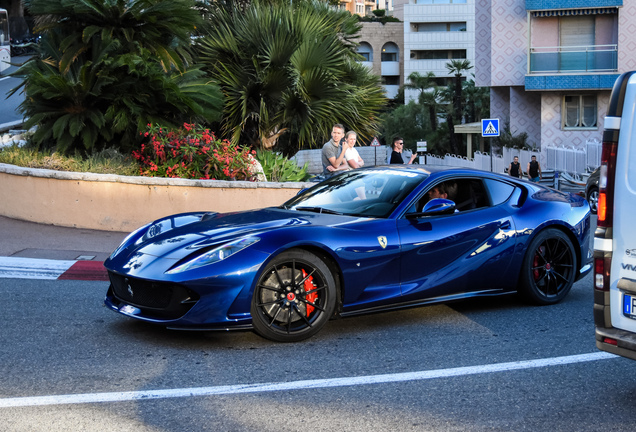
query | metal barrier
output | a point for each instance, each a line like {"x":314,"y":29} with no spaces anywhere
{"x":576,"y":162}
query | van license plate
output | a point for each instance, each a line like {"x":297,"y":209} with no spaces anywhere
{"x":629,"y":306}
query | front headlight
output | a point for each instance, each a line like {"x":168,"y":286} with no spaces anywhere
{"x":215,"y":255}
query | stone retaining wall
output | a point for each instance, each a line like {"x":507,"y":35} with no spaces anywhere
{"x":371,"y":155}
{"x":121,"y":203}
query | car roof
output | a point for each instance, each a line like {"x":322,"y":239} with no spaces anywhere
{"x":432,"y":169}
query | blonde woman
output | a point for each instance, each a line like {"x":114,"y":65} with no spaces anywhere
{"x":351,"y":155}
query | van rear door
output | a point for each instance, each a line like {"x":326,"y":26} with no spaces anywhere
{"x":615,"y":237}
{"x":623,"y":268}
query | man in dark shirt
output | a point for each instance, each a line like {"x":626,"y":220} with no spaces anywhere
{"x":534,"y":170}
{"x":396,"y":154}
{"x":515,"y":167}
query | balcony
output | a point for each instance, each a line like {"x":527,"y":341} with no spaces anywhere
{"x":390,"y":68}
{"x":573,"y":59}
{"x":391,"y":91}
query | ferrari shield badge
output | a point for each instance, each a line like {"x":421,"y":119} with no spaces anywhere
{"x":382,"y":241}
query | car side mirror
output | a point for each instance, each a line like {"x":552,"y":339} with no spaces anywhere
{"x":435,"y":207}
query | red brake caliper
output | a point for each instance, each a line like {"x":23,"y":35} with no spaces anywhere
{"x":536,"y":263}
{"x":309,"y":286}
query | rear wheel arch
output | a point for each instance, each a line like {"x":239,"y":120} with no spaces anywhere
{"x":571,"y":236}
{"x":550,"y":265}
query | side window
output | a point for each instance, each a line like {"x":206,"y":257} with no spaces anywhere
{"x":499,"y":191}
{"x":466,"y":193}
{"x":471,"y":194}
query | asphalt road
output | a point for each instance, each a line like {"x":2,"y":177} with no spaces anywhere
{"x":57,"y":339}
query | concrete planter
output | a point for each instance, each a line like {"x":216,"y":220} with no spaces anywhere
{"x":122,"y":203}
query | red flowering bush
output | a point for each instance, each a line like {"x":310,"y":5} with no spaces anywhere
{"x":192,"y":152}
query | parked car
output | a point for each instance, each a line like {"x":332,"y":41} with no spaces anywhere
{"x":362,"y":241}
{"x":615,"y":236}
{"x":591,"y":190}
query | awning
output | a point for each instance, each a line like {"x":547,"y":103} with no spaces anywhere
{"x":574,"y":12}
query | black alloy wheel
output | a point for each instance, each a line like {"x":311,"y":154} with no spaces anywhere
{"x":592,"y":198}
{"x":294,"y":297}
{"x":549,"y":268}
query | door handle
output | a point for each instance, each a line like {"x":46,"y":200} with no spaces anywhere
{"x":505,"y":225}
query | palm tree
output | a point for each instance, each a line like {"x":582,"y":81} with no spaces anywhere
{"x":457,"y":67}
{"x":289,"y":72}
{"x":429,"y":93}
{"x":108,"y":67}
{"x":477,"y":101}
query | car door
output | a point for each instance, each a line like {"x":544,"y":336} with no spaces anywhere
{"x":466,"y":251}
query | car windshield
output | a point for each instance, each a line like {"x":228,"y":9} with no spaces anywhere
{"x":366,"y":193}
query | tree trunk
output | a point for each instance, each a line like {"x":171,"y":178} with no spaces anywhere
{"x":432,"y":115}
{"x":454,"y":145}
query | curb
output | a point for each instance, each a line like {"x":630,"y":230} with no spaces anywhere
{"x":35,"y":268}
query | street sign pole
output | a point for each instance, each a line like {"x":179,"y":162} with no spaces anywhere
{"x":489,"y":129}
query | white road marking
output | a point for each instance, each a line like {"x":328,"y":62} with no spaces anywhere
{"x":298,"y":385}
{"x":32,"y":268}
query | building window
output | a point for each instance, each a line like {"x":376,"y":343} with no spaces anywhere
{"x":366,"y":51}
{"x":438,"y":54}
{"x":390,"y":52}
{"x":440,"y":1}
{"x":434,"y":27}
{"x":579,"y":111}
{"x":390,"y":80}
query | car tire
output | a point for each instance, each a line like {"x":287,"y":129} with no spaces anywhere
{"x":294,"y":297}
{"x":592,"y":198}
{"x":549,"y":268}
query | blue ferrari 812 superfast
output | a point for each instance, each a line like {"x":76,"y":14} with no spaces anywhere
{"x":363,"y":241}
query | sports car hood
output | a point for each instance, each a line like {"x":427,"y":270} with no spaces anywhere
{"x":177,"y":236}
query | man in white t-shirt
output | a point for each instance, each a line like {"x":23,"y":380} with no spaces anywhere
{"x":351,"y":154}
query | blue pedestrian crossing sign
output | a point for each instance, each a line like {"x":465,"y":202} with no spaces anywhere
{"x":490,"y":127}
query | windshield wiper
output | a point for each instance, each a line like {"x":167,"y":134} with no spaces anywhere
{"x":318,"y":210}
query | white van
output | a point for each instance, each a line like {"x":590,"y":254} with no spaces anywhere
{"x":615,"y":237}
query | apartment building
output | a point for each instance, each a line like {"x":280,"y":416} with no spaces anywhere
{"x":551,"y":64}
{"x":430,"y":34}
{"x":435,"y":32}
{"x":358,"y":7}
{"x":381,"y":46}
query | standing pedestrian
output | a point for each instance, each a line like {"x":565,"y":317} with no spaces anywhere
{"x":515,"y":168}
{"x":333,"y":154}
{"x":534,"y":170}
{"x":396,"y":154}
{"x":351,"y":154}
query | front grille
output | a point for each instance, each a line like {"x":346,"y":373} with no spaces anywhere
{"x":155,"y":299}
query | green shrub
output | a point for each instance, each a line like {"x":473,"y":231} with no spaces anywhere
{"x":108,"y":161}
{"x":192,"y":152}
{"x":278,"y":168}
{"x":104,"y":69}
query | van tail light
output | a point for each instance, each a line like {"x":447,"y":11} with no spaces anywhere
{"x":602,"y":273}
{"x":605,"y":211}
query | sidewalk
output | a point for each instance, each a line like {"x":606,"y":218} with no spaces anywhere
{"x":36,"y":251}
